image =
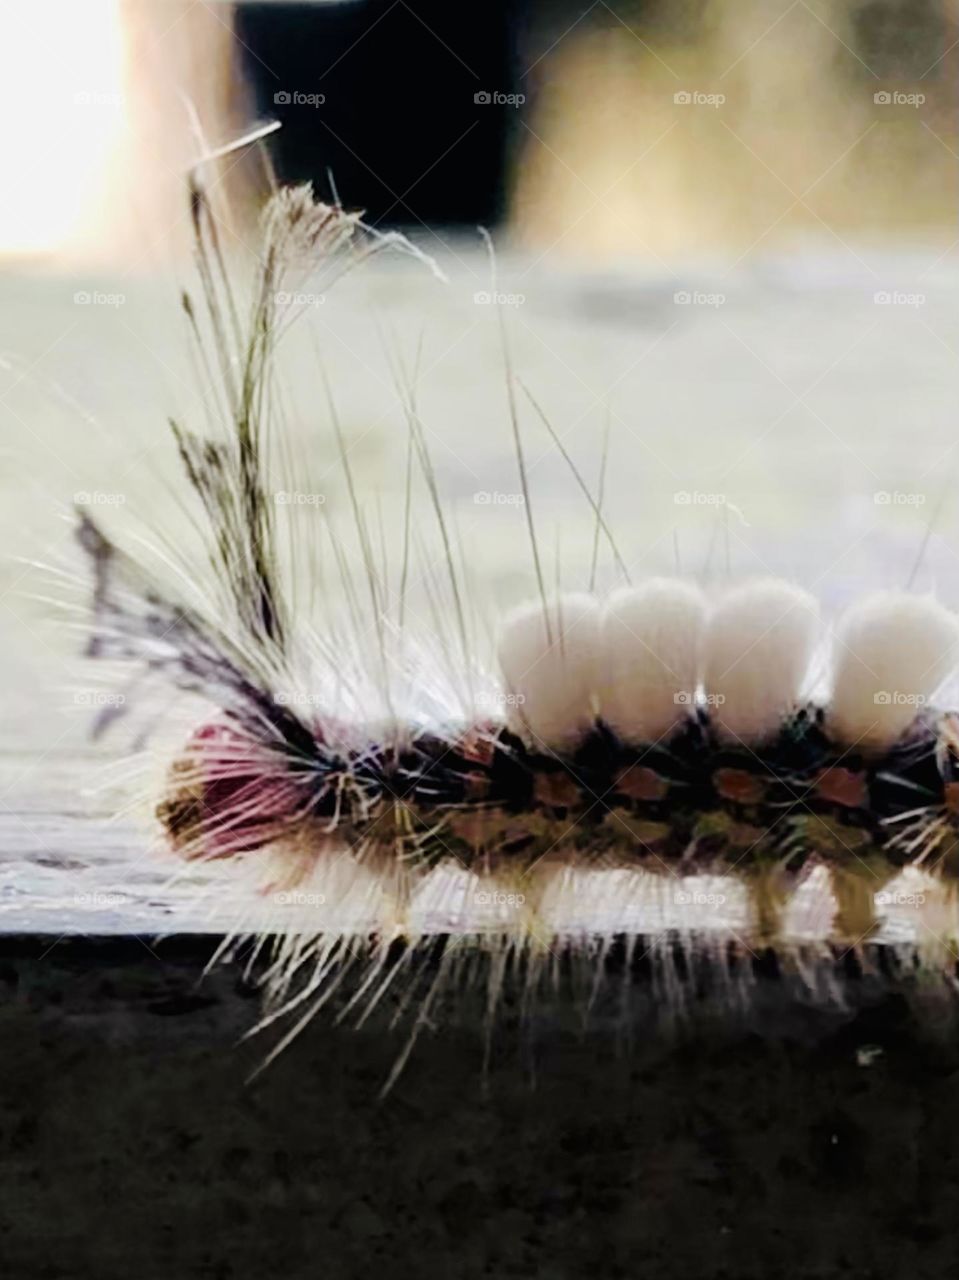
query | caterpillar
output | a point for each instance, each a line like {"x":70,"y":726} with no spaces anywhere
{"x":650,"y":765}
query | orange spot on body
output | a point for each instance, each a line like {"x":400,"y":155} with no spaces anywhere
{"x":845,"y":787}
{"x":739,"y":785}
{"x":640,"y":783}
{"x":555,"y":790}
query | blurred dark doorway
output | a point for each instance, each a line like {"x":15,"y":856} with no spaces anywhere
{"x":405,"y":104}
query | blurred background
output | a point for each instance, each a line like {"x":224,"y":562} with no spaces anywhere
{"x":726,"y":238}
{"x":645,"y":127}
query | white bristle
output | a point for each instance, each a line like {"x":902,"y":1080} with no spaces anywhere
{"x":892,"y":653}
{"x":549,"y":670}
{"x":759,"y":644}
{"x":651,"y":654}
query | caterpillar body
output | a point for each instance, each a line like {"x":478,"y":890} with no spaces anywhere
{"x":650,"y":765}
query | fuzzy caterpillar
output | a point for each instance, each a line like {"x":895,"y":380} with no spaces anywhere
{"x":651,"y":742}
{"x":508,"y":803}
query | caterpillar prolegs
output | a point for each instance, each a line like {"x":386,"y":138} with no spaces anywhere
{"x":661,"y":764}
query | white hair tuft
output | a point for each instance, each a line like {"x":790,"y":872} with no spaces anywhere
{"x":892,"y":652}
{"x":651,"y":649}
{"x":549,"y":664}
{"x":759,"y":644}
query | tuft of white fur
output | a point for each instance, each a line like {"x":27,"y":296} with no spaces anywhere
{"x":549,"y":666}
{"x":758,"y":648}
{"x":892,"y":652}
{"x":651,"y":647}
